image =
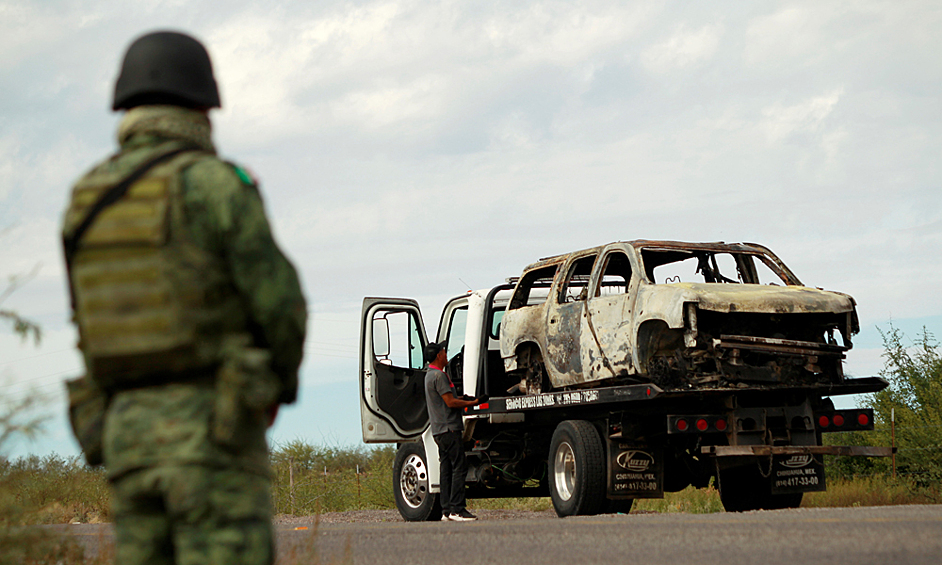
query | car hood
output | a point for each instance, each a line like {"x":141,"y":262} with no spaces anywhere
{"x":763,"y":299}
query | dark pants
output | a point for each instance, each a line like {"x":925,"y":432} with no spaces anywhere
{"x":454,"y":471}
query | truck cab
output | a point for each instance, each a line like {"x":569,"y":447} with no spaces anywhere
{"x":392,"y":370}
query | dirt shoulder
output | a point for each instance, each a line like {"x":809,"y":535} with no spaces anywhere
{"x":393,"y":516}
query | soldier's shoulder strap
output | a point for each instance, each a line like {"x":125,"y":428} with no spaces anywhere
{"x":70,"y":241}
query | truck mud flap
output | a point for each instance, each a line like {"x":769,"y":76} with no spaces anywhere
{"x":797,"y":473}
{"x":634,"y":471}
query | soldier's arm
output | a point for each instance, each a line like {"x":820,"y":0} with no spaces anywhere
{"x":263,"y":276}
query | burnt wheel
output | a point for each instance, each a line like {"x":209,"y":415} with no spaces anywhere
{"x":576,"y":469}
{"x":411,"y":485}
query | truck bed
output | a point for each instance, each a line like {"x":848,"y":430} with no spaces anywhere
{"x":644,"y":392}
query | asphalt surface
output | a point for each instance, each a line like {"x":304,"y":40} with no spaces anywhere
{"x":897,"y":535}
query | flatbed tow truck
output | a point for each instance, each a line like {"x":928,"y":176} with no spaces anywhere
{"x":592,"y":448}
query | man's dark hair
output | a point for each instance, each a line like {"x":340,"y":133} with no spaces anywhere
{"x":431,"y":351}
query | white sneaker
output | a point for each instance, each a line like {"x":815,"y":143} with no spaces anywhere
{"x":446,"y":517}
{"x":463,"y":516}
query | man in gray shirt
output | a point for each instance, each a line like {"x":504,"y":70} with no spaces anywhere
{"x":444,"y":413}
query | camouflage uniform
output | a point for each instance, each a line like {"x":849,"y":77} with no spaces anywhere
{"x":180,"y":496}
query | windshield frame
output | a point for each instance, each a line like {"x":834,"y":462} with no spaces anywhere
{"x":682,"y":251}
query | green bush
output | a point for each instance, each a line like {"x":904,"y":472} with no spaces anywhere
{"x":914,"y":397}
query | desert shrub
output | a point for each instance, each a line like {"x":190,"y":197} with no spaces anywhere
{"x":914,"y":397}
{"x":30,"y":493}
{"x":56,"y":490}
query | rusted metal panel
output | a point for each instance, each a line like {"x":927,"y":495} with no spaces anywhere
{"x":765,"y":299}
{"x":783,"y":346}
{"x":609,"y":353}
{"x":563,"y":342}
{"x":519,"y":326}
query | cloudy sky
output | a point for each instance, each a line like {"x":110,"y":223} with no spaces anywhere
{"x":407,"y":146}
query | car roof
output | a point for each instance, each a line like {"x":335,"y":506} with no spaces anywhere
{"x":659,"y":244}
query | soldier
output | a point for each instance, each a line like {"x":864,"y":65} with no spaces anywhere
{"x":191,"y":321}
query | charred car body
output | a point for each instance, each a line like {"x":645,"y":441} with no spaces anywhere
{"x":676,"y":314}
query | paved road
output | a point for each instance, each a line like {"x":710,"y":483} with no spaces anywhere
{"x":897,"y":535}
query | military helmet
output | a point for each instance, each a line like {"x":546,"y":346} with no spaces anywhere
{"x":166,"y":67}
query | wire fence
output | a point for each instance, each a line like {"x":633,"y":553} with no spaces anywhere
{"x":304,"y":492}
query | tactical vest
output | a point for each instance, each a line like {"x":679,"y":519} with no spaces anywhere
{"x":151,"y":306}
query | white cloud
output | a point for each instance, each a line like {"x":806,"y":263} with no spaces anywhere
{"x":561,"y":33}
{"x":782,"y":121}
{"x":417,"y":102}
{"x":390,"y":63}
{"x":683,"y":49}
{"x":790,"y":33}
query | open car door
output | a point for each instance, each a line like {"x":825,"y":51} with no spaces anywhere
{"x":392,"y":370}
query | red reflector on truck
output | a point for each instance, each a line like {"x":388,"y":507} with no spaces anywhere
{"x":702,"y":425}
{"x":682,"y":425}
{"x":862,"y":419}
{"x":721,"y":425}
{"x":838,"y":420}
{"x":824,"y":422}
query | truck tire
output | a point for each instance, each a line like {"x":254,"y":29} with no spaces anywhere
{"x":744,"y":488}
{"x":411,"y":485}
{"x":576,"y":469}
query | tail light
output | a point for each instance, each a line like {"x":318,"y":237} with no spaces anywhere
{"x":845,"y":420}
{"x":696,"y":424}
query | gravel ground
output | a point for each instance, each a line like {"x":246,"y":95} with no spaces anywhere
{"x":393,"y":516}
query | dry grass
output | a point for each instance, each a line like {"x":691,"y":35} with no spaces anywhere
{"x":877,"y":490}
{"x":690,"y":501}
{"x":527,"y":504}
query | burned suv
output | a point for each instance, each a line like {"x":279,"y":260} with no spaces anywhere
{"x":680,"y":315}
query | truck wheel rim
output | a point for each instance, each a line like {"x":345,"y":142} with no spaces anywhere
{"x":564,"y":471}
{"x":413,"y":481}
